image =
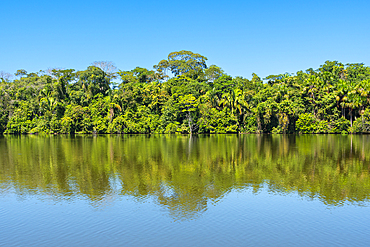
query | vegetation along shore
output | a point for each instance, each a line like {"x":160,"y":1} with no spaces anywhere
{"x":184,"y":95}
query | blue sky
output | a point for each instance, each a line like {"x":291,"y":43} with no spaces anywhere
{"x":242,"y":37}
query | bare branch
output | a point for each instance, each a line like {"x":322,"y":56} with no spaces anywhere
{"x":107,"y":66}
{"x":5,"y":76}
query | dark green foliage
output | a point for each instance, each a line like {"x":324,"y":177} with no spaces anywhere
{"x":192,"y":98}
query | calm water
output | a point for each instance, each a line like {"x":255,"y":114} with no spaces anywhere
{"x":246,"y":190}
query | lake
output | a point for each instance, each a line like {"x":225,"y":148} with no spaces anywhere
{"x":177,"y":190}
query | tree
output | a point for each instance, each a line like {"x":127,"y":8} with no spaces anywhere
{"x":183,"y":62}
{"x":4,"y":76}
{"x":188,"y":104}
{"x":63,"y":78}
{"x":108,"y":67}
{"x":138,"y":75}
{"x":94,"y":80}
{"x":212,"y":73}
{"x":20,"y":73}
{"x":195,"y":98}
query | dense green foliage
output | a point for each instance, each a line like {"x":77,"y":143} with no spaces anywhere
{"x":183,"y":95}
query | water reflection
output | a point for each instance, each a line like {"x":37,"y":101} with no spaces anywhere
{"x":184,"y":174}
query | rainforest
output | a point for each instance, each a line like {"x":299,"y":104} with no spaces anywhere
{"x":182,"y":94}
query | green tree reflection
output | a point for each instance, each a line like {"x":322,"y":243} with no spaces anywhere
{"x":184,"y":173}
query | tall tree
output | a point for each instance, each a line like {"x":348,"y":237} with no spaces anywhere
{"x":183,"y":63}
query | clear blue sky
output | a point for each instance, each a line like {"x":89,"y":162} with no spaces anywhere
{"x":242,"y":37}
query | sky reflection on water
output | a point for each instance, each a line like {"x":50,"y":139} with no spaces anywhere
{"x":206,"y":190}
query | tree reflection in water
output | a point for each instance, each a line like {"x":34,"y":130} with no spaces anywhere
{"x":182,"y":173}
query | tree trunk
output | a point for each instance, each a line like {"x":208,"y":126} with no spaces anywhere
{"x":190,"y":122}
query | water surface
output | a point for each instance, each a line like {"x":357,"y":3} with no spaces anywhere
{"x":169,"y":190}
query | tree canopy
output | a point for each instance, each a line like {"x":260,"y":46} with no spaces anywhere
{"x":184,"y":95}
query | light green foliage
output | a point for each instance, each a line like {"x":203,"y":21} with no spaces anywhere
{"x":322,"y":127}
{"x":189,"y":105}
{"x":4,"y":108}
{"x":138,"y":75}
{"x":77,"y":120}
{"x":306,"y":123}
{"x":183,"y":63}
{"x":169,"y":116}
{"x":196,"y":99}
{"x":140,"y":122}
{"x":213,"y":73}
{"x":250,"y":125}
{"x":214,"y":121}
{"x":94,"y":81}
{"x":340,"y":125}
{"x":172,"y":128}
{"x":362,"y":123}
{"x":21,"y":121}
